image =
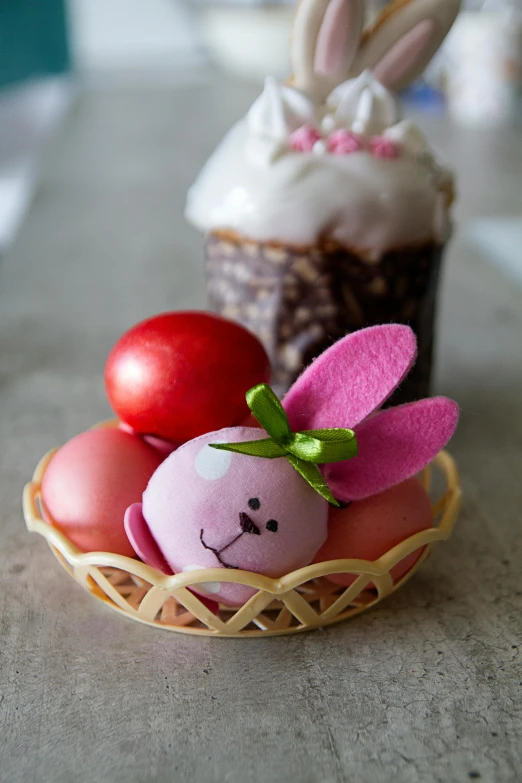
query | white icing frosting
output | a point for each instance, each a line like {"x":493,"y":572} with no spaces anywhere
{"x":255,"y":184}
{"x":410,"y":138}
{"x":363,"y":105}
{"x":279,"y":110}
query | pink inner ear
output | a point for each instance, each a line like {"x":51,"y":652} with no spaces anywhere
{"x":332,"y":40}
{"x":145,"y":546}
{"x":404,"y":56}
{"x":393,"y":445}
{"x":352,"y":378}
{"x":142,"y":541}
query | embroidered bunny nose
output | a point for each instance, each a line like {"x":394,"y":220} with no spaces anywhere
{"x":247,"y":525}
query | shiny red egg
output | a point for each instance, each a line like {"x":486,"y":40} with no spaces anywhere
{"x":179,"y":375}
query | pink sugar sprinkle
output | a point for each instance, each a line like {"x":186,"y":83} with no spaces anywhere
{"x":382,"y":147}
{"x":304,"y":138}
{"x":342,"y":142}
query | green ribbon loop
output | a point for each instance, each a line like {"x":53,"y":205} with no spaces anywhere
{"x":304,"y":450}
{"x":265,"y":405}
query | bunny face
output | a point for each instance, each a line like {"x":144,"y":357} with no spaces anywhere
{"x":213,"y":509}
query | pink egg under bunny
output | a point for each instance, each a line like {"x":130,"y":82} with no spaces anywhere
{"x":369,"y":528}
{"x":257,"y":499}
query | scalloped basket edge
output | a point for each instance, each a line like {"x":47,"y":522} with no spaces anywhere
{"x":295,"y":602}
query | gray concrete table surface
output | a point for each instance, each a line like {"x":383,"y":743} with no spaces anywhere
{"x":426,"y":687}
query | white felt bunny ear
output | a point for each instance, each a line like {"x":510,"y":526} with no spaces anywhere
{"x":394,"y":445}
{"x":352,"y":378}
{"x":403,"y":40}
{"x":325,"y":38}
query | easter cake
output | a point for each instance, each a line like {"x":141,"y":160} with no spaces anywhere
{"x":323,"y":210}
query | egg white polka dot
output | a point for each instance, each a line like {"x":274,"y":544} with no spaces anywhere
{"x":212,"y":464}
{"x":205,"y":587}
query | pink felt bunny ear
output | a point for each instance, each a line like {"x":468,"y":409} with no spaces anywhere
{"x":352,"y":378}
{"x":394,"y":445}
{"x":142,"y":541}
{"x":403,"y":40}
{"x":325,"y":38}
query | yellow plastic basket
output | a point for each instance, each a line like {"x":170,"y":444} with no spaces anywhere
{"x":296,"y":602}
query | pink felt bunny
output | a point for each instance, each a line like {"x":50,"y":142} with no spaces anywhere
{"x":209,"y":508}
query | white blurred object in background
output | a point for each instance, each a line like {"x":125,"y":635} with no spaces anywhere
{"x":130,"y":39}
{"x":484,"y":63}
{"x":29,"y":114}
{"x":249,"y":38}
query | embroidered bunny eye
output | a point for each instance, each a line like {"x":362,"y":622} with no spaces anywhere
{"x":272,"y":525}
{"x":254,"y":504}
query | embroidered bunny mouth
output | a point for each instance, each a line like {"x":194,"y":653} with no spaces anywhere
{"x":247,"y":526}
{"x":217,"y":552}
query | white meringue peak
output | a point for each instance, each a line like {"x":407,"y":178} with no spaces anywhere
{"x":279,"y":111}
{"x":408,"y":136}
{"x":363,"y":105}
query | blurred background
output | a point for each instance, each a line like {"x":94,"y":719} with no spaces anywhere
{"x":54,"y":50}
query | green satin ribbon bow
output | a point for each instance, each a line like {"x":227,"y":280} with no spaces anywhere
{"x":304,"y":450}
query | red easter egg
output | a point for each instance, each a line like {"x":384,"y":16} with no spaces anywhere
{"x":368,"y":528}
{"x":180,"y":375}
{"x":163,"y":447}
{"x":250,"y":421}
{"x":90,"y":482}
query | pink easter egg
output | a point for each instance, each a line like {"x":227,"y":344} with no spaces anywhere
{"x":89,"y":483}
{"x":368,"y":528}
